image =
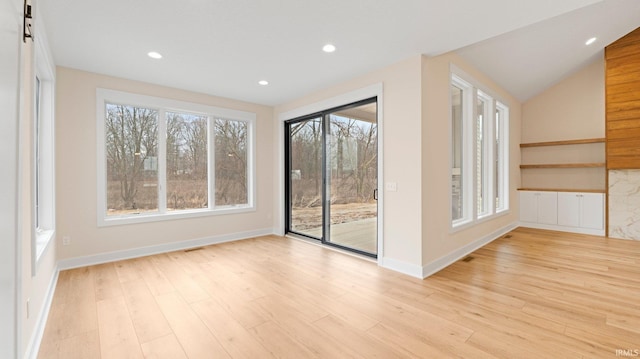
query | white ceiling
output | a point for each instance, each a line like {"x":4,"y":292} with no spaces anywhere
{"x":531,"y":59}
{"x":223,"y":47}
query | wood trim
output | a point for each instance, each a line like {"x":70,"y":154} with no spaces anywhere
{"x":562,"y":143}
{"x":562,"y":190}
{"x":564,"y":165}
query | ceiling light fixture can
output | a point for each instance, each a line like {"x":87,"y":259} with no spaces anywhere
{"x":591,"y":41}
{"x":154,"y":55}
{"x":263,"y":82}
{"x":328,"y":48}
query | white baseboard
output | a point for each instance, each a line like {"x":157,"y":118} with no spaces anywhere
{"x":161,"y":248}
{"x":445,"y":261}
{"x":555,"y":227}
{"x":36,"y":337}
{"x":402,"y":267}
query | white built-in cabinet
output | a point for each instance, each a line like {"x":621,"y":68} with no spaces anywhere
{"x":582,"y":210}
{"x":539,"y":207}
{"x":579,"y":212}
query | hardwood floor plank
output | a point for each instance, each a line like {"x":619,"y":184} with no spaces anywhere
{"x":166,"y":347}
{"x":148,"y":320}
{"x":279,"y":343}
{"x":193,"y":335}
{"x":117,"y":335}
{"x":156,"y":281}
{"x":82,"y":346}
{"x":106,"y":281}
{"x":127,"y":270}
{"x":181,"y":281}
{"x":360,"y":341}
{"x":235,"y":339}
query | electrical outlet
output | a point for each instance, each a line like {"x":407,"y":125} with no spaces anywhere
{"x":66,"y":240}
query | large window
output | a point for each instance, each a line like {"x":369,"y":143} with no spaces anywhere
{"x":479,"y":153}
{"x":161,"y":159}
{"x":42,"y":169}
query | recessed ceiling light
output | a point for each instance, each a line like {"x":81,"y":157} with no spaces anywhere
{"x":328,"y":48}
{"x":590,"y":41}
{"x":263,"y":82}
{"x":154,"y":55}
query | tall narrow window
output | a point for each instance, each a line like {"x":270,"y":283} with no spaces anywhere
{"x":479,"y":172}
{"x":457,"y":190}
{"x":501,"y":157}
{"x":162,"y":159}
{"x":483,"y":164}
{"x":38,"y":162}
{"x":43,"y":155}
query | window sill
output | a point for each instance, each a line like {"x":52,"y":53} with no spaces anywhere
{"x":159,"y":217}
{"x":43,"y":238}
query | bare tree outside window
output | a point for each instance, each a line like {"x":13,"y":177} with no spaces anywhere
{"x":132,"y":159}
{"x":231,"y":138}
{"x":187,"y":161}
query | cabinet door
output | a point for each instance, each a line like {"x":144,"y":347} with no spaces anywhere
{"x":569,"y":209}
{"x":548,"y":207}
{"x":528,"y":206}
{"x":592,"y":211}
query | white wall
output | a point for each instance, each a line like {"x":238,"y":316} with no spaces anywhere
{"x":574,"y":108}
{"x":439,"y":243}
{"x":77,"y":174}
{"x":417,"y":235}
{"x":402,"y":156}
{"x":10,"y":43}
{"x":33,"y":287}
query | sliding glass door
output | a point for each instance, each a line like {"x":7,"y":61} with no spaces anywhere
{"x":332,"y":177}
{"x":305,"y":177}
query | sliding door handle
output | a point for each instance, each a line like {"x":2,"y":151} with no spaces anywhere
{"x":375,"y":194}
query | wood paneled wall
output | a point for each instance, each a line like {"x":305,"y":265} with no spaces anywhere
{"x":623,"y":102}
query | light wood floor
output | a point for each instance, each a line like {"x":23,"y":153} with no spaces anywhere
{"x":536,"y":294}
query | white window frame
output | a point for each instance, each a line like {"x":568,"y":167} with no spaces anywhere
{"x":164,"y":105}
{"x":43,"y":175}
{"x":472,"y":179}
{"x":503,"y":166}
{"x":467,"y":162}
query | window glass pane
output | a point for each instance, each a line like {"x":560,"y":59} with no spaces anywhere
{"x":305,"y":152}
{"x":37,"y":141}
{"x":482,"y":163}
{"x":231,"y":140}
{"x":132,"y":160}
{"x":498,"y":161}
{"x":457,"y":153}
{"x":187,"y":161}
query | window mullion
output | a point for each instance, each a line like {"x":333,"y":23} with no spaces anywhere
{"x":162,"y":161}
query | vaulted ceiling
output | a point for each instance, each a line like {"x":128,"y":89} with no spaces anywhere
{"x":224,"y":47}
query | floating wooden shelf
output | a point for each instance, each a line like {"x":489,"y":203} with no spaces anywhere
{"x":562,"y":143}
{"x":563,"y":190}
{"x":564,"y":165}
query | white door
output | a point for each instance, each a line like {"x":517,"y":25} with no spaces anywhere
{"x":548,"y":207}
{"x":569,"y":209}
{"x":528,"y":206}
{"x":592,"y":211}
